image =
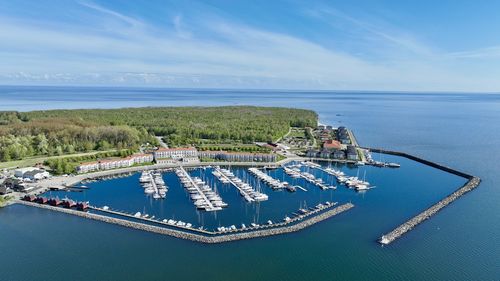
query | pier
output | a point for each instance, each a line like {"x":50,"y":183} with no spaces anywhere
{"x":245,"y":189}
{"x":272,"y":182}
{"x":211,"y":237}
{"x":202,"y":195}
{"x":307,"y":176}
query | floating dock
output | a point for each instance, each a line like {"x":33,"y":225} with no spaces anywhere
{"x":202,"y":195}
{"x":245,"y":189}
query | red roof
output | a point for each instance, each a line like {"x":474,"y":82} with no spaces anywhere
{"x":141,"y":155}
{"x":332,"y":144}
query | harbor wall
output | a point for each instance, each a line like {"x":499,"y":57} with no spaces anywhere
{"x":421,"y":160}
{"x":219,"y":238}
{"x":416,"y":220}
{"x":470,"y":185}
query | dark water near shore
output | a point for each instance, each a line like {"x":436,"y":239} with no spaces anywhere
{"x":460,"y":243}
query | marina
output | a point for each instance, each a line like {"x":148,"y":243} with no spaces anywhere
{"x":302,"y":221}
{"x":203,"y":196}
{"x":153,"y":184}
{"x":246,"y":191}
{"x":296,"y":173}
{"x":457,"y":243}
{"x":270,"y":181}
{"x":202,"y":192}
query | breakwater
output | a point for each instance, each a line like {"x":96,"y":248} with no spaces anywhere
{"x":470,"y":185}
{"x":421,"y":160}
{"x":213,"y":238}
{"x":416,"y":220}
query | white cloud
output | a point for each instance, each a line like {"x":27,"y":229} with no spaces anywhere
{"x":129,"y":20}
{"x":123,"y":50}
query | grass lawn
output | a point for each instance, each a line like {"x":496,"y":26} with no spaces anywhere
{"x":297,"y":133}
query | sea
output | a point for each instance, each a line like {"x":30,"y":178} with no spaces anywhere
{"x":462,"y":242}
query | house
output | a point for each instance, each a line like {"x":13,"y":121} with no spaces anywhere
{"x":325,"y":153}
{"x":352,"y":153}
{"x":312,"y":153}
{"x":175,"y":153}
{"x":338,"y":154}
{"x":14,"y":184}
{"x":332,"y":145}
{"x":3,"y":188}
{"x":36,"y":175}
{"x":343,"y":135}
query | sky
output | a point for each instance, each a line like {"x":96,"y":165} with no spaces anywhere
{"x":407,"y":45}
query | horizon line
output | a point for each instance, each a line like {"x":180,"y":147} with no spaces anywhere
{"x":153,"y":87}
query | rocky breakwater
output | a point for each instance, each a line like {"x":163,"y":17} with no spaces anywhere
{"x":216,"y":238}
{"x":410,"y":224}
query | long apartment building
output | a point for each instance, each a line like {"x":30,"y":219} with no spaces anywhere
{"x":108,"y":164}
{"x":238,"y":156}
{"x":175,"y":153}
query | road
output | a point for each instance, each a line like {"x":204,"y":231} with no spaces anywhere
{"x":162,"y":143}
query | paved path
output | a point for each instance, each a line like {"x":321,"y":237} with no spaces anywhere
{"x":162,"y":143}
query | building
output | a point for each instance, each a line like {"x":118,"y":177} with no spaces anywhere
{"x":4,"y":189}
{"x":343,"y":135}
{"x":175,"y":153}
{"x":115,"y":163}
{"x":142,"y":158}
{"x":13,"y":184}
{"x":338,"y":154}
{"x":325,"y":153}
{"x":352,"y":153}
{"x":88,"y":167}
{"x":31,"y":173}
{"x":332,"y":145}
{"x":312,"y":153}
{"x":36,"y":175}
{"x":238,"y":156}
{"x":108,"y":164}
{"x":166,"y":161}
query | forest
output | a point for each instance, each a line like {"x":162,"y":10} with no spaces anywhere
{"x":60,"y":132}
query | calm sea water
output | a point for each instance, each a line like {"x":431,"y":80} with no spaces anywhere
{"x":460,"y":243}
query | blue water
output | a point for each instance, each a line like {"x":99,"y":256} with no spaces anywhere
{"x":460,"y":243}
{"x":413,"y":179}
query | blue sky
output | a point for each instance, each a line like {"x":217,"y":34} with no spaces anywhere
{"x":345,"y":45}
